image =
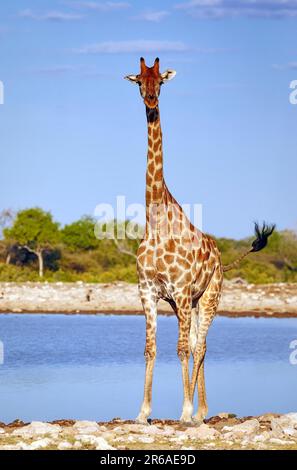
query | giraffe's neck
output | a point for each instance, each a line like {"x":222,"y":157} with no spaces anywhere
{"x":164,"y":216}
{"x":154,"y":174}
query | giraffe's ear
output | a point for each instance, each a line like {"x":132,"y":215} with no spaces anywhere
{"x":132,"y":78}
{"x":168,"y":75}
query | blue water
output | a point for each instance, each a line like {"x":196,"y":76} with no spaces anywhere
{"x":92,"y":367}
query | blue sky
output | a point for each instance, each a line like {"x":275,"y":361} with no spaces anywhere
{"x":73,"y":132}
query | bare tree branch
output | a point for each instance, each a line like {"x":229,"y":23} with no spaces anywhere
{"x":28,"y":249}
{"x":6,"y":217}
{"x":289,"y":265}
{"x":124,"y":250}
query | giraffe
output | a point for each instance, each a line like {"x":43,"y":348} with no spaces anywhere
{"x":176,"y":262}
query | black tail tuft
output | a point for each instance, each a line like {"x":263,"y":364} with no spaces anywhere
{"x":262,"y":234}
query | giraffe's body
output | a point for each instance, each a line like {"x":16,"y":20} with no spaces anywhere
{"x":176,"y":262}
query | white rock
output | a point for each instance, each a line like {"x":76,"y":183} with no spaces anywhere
{"x":40,"y":444}
{"x":262,"y":437}
{"x":23,"y":446}
{"x":246,"y":428}
{"x":261,"y":445}
{"x":108,"y":435}
{"x":10,"y":447}
{"x":203,"y":432}
{"x":282,"y":442}
{"x":292,"y":417}
{"x":143,"y":429}
{"x":99,"y":442}
{"x":120,"y":439}
{"x":227,"y":428}
{"x":290,"y":432}
{"x":118,"y":430}
{"x":287,"y":421}
{"x":77,"y":445}
{"x":86,"y":427}
{"x":245,"y":441}
{"x":37,"y":428}
{"x":146,"y":440}
{"x":274,"y":440}
{"x":152,"y":430}
{"x":179,"y":433}
{"x":179,"y":439}
{"x":65,"y":445}
{"x":168,"y":431}
{"x":266,"y":417}
{"x":102,"y":444}
{"x":2,"y":431}
{"x":135,"y":427}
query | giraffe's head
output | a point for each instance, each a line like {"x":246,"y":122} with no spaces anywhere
{"x":150,"y":80}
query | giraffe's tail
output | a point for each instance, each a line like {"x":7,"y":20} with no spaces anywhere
{"x":262,"y":234}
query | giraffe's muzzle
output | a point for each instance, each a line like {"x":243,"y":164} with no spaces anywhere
{"x":151,"y":102}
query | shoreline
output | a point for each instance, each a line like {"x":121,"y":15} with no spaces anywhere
{"x":269,"y":431}
{"x":239,"y":299}
{"x":226,"y":314}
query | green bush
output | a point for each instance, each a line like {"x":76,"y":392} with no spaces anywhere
{"x":73,"y":253}
{"x":11,"y":273}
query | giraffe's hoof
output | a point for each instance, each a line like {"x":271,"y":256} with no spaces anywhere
{"x":186,"y":420}
{"x":141,"y":420}
{"x":198,"y":420}
{"x":187,"y":423}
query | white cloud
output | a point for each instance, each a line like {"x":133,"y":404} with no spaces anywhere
{"x":137,"y":46}
{"x":289,"y":65}
{"x":82,"y":70}
{"x":56,"y":69}
{"x":50,"y":16}
{"x":100,"y":6}
{"x":218,"y":9}
{"x":154,"y":16}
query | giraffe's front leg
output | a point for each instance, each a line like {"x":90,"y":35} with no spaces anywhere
{"x":183,"y":305}
{"x":149,"y":301}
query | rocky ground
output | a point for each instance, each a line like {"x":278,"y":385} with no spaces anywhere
{"x":238,"y":298}
{"x":225,"y":431}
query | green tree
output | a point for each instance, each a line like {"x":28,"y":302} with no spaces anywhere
{"x":6,"y":220}
{"x":80,"y":235}
{"x":34,"y":230}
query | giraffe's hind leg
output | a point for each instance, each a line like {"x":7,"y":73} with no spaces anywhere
{"x":207,"y":306}
{"x":183,"y":311}
{"x":203,"y":408}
